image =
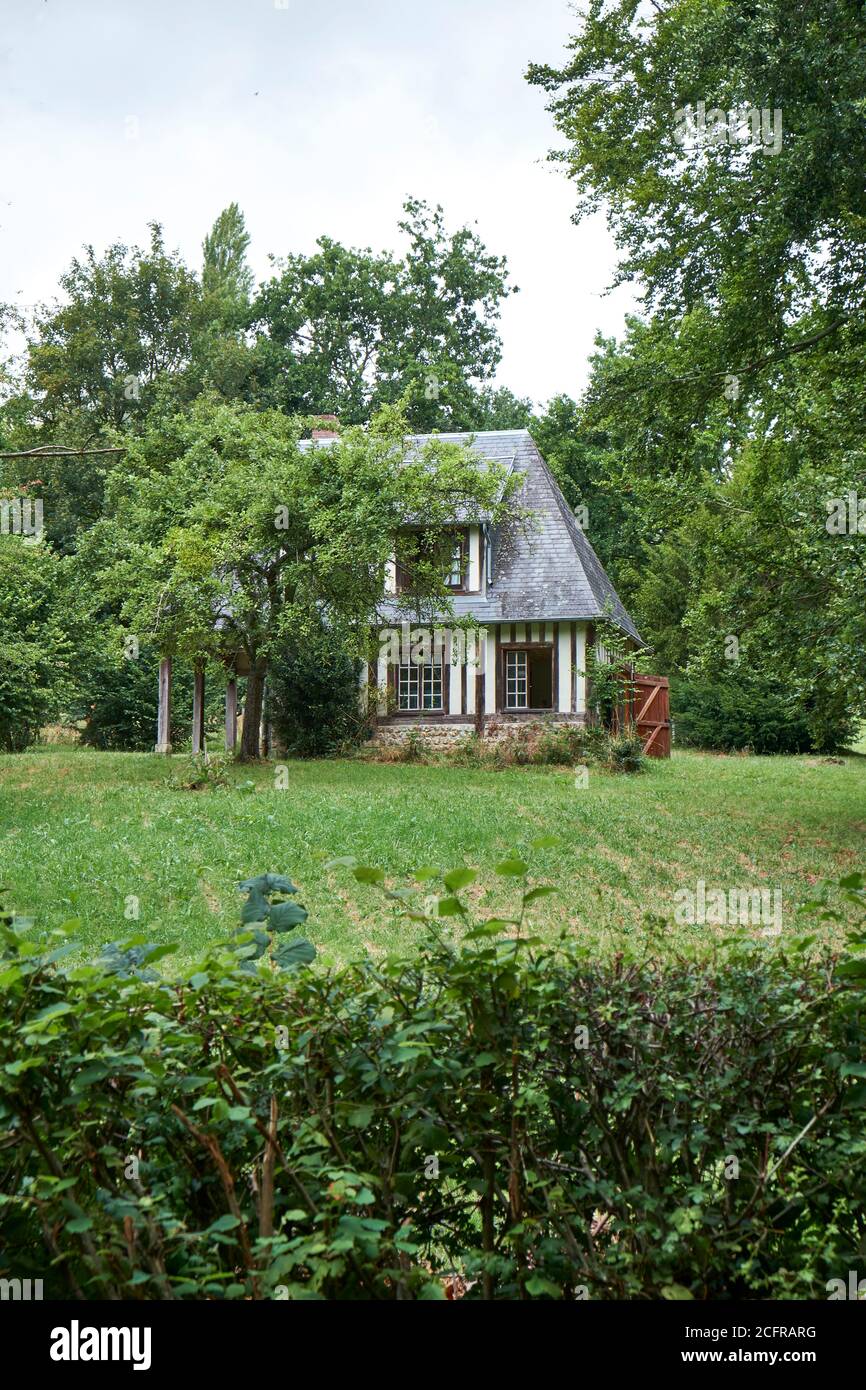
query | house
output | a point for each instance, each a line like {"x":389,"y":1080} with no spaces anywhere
{"x":530,"y":602}
{"x":525,"y":603}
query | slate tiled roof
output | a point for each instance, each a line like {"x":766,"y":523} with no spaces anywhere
{"x":549,"y":575}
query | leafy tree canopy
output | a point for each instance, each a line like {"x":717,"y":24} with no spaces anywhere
{"x":225,"y":535}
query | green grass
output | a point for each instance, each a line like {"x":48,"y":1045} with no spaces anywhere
{"x":80,"y":831}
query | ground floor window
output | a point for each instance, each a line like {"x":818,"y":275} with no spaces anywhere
{"x":419,"y":687}
{"x":529,"y":678}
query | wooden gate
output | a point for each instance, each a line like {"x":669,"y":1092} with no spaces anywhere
{"x":648,"y":709}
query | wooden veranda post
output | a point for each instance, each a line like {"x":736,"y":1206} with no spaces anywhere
{"x":163,"y":726}
{"x":231,"y":715}
{"x":198,"y":711}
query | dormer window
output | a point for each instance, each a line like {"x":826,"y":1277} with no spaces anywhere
{"x":456,"y":575}
{"x":450,"y":551}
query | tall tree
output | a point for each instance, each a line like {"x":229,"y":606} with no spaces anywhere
{"x":225,"y":535}
{"x":728,"y":143}
{"x":226,"y":276}
{"x":126,"y":323}
{"x":345,"y":331}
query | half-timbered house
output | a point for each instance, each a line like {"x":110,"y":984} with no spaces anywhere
{"x":525,"y":603}
{"x":528,"y":604}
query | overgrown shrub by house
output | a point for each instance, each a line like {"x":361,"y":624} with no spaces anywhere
{"x":737,"y":710}
{"x":314,"y":698}
{"x":539,"y":744}
{"x":624,"y":752}
{"x":491,"y":1116}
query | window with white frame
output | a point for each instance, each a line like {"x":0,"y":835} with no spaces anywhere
{"x":516,"y":680}
{"x":419,"y":686}
{"x":454,"y":578}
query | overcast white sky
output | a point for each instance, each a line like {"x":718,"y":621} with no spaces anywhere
{"x":317,"y":116}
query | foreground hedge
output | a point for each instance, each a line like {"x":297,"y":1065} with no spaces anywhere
{"x":496,"y":1119}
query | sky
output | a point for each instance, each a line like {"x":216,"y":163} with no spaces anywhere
{"x":317,"y":117}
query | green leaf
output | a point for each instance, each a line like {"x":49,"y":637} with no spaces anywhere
{"x":285,"y":916}
{"x":494,"y":926}
{"x":365,"y":874}
{"x":224,"y":1223}
{"x":254,"y":885}
{"x":449,"y":907}
{"x":537,"y":1287}
{"x":456,"y":879}
{"x":299,"y":951}
{"x":512,"y":868}
{"x":360,"y":1117}
{"x":676,"y":1293}
{"x":79,"y":1224}
{"x":541,"y":891}
{"x":256,"y":907}
{"x":546,"y":842}
{"x":278,"y":883}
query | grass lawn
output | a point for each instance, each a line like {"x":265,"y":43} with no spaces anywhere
{"x":80,"y":831}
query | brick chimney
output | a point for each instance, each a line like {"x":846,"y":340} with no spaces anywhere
{"x":332,"y":430}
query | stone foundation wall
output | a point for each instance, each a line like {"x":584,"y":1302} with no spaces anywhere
{"x":439,"y":737}
{"x":499,"y":728}
{"x":443,"y":737}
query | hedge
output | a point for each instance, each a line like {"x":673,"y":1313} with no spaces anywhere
{"x":492,"y":1117}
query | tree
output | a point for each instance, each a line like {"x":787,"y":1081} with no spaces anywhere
{"x":498,"y":408}
{"x":225,"y":535}
{"x":37,"y":638}
{"x":127,"y":323}
{"x":729,"y":417}
{"x":583,"y":455}
{"x":345,"y":331}
{"x":136,"y":334}
{"x":728,"y":144}
{"x":226,"y":278}
{"x":94,"y":367}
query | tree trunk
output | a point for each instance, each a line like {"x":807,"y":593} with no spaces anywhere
{"x":252,"y":716}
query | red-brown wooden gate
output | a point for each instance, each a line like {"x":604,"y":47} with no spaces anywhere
{"x":648,"y":709}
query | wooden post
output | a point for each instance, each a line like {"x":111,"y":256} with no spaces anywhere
{"x":163,"y":727}
{"x":479,"y":704}
{"x":265,"y":730}
{"x":231,"y":715}
{"x":198,"y":710}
